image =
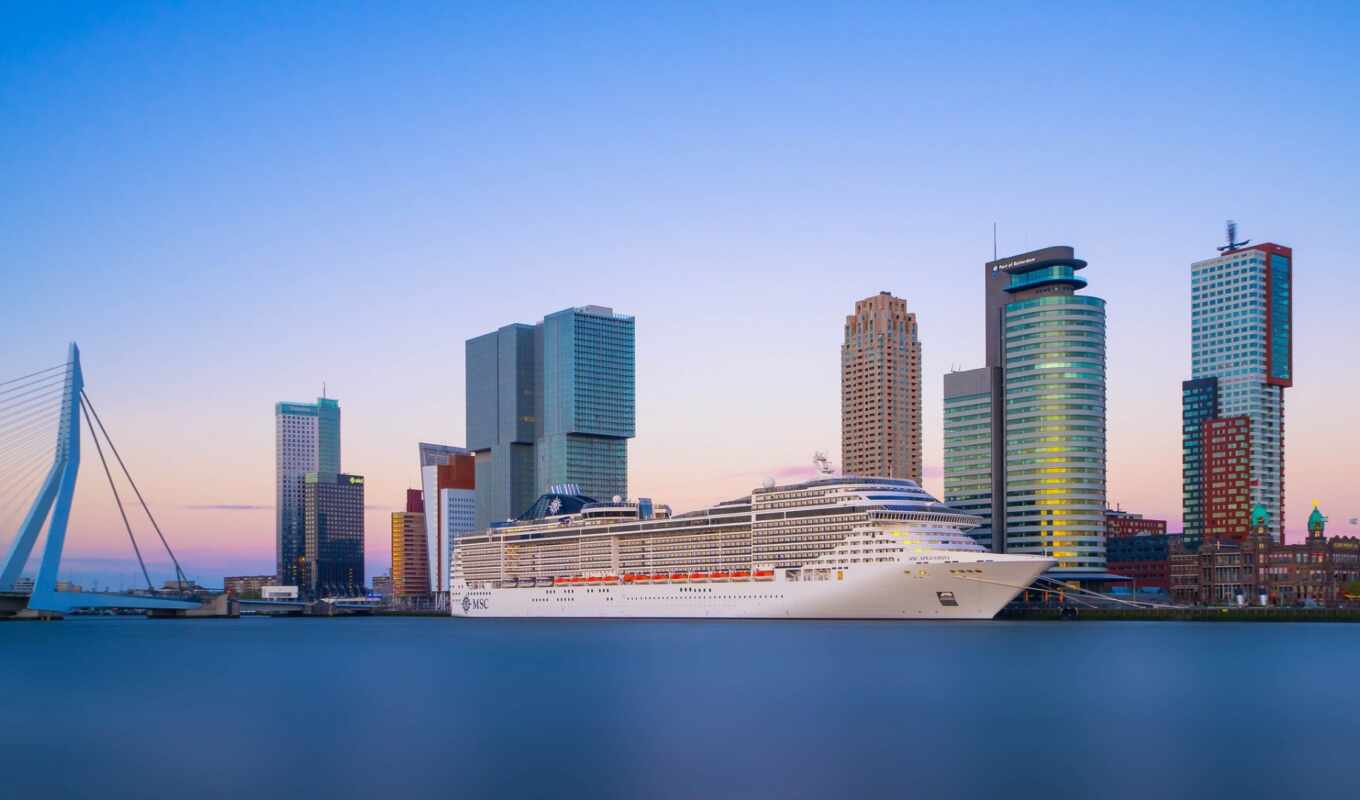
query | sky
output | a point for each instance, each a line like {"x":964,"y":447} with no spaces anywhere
{"x":228,"y":205}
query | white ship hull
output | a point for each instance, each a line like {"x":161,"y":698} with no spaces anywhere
{"x":975,"y":586}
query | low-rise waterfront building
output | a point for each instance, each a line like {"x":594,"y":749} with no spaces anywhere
{"x":1143,"y":558}
{"x":1119,"y":522}
{"x":246,"y":586}
{"x":1257,"y":571}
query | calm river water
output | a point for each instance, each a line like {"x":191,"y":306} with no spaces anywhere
{"x":415,"y":708}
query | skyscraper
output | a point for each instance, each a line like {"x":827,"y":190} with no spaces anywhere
{"x":306,"y":439}
{"x":588,"y":405}
{"x":1038,"y":407}
{"x":502,"y":394}
{"x":333,"y":538}
{"x":550,"y":404}
{"x":881,"y":390}
{"x":1242,"y":358}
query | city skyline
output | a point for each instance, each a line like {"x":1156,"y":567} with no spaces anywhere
{"x":769,"y":207}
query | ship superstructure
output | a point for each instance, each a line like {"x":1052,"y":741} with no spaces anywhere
{"x":838,"y":547}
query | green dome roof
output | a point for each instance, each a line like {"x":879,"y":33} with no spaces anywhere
{"x":1259,"y":516}
{"x":1316,"y":520}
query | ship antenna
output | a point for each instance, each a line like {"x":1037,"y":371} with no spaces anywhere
{"x":823,"y":464}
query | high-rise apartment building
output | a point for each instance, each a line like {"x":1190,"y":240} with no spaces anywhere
{"x":306,"y":439}
{"x":881,"y":390}
{"x":1037,"y":411}
{"x":410,"y":553}
{"x":410,"y":558}
{"x":1242,"y":356}
{"x":333,"y":539}
{"x":448,"y":483}
{"x":550,"y":404}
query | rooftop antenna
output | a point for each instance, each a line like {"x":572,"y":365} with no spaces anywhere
{"x":1233,"y":244}
{"x":323,"y":390}
{"x":993,"y":240}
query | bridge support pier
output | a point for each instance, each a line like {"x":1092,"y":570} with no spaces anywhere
{"x":222,"y":606}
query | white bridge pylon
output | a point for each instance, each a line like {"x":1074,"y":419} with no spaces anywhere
{"x":54,"y":499}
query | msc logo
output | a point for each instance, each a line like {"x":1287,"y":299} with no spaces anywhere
{"x":469,"y":604}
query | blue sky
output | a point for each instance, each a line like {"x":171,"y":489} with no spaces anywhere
{"x":227,"y":204}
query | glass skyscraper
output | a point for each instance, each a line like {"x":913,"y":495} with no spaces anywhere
{"x":333,"y":535}
{"x":551,"y":404}
{"x":1055,"y":423}
{"x":1025,"y":435}
{"x":589,"y":409}
{"x":968,"y":447}
{"x":1241,"y":343}
{"x":306,"y":439}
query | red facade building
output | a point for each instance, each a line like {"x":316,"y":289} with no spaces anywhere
{"x":1122,"y":523}
{"x":1227,"y":478}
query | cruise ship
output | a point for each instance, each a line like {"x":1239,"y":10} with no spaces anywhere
{"x":829,"y":548}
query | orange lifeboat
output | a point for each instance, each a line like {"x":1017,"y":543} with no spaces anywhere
{"x":641,"y":578}
{"x":764,"y":574}
{"x":698,"y":576}
{"x":561,"y":581}
{"x":679,"y":577}
{"x":661,"y":578}
{"x":741,"y":575}
{"x":629,"y":577}
{"x":721,"y":575}
{"x":578,"y":579}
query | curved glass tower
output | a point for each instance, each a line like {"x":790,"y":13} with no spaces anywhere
{"x":1055,"y":421}
{"x":1025,"y":435}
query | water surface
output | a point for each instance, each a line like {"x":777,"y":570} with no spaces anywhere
{"x":414,"y":708}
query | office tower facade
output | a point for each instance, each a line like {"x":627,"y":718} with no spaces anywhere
{"x":1242,"y":347}
{"x":410,"y":560}
{"x":306,"y":439}
{"x":502,"y":393}
{"x":333,"y":546}
{"x":588,"y":402}
{"x":551,"y":404}
{"x":881,"y":390}
{"x":1045,"y":415}
{"x":968,"y":447}
{"x":448,"y":484}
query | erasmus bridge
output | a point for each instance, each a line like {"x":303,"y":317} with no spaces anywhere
{"x":40,"y":416}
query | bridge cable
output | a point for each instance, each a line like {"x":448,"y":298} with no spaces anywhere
{"x":17,"y":432}
{"x":31,"y":444}
{"x":34,"y":377}
{"x":34,"y":386}
{"x":62,"y":365}
{"x":27,"y":404}
{"x":180,"y":577}
{"x":118,"y":499}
